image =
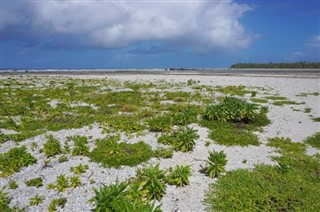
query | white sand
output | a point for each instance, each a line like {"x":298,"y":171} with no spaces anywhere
{"x":296,"y":125}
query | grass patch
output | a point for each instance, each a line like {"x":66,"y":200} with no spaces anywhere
{"x":110,"y":153}
{"x":293,"y":185}
{"x":235,"y":90}
{"x":257,"y":100}
{"x":316,"y":119}
{"x":314,"y":140}
{"x":15,"y":159}
{"x":275,"y":98}
{"x":286,"y":102}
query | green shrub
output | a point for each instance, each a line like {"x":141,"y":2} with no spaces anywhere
{"x":162,"y":123}
{"x":179,"y":176}
{"x":36,"y":200}
{"x":62,"y":159}
{"x":4,"y":200}
{"x":75,"y":181}
{"x":36,"y":182}
{"x":110,"y":153}
{"x":118,"y":197}
{"x":51,"y":147}
{"x":229,"y":136}
{"x":80,"y":169}
{"x":215,"y":164}
{"x":182,"y":140}
{"x":183,"y":116}
{"x":58,"y":202}
{"x":314,"y":140}
{"x":80,"y":145}
{"x":13,"y":160}
{"x":232,"y":109}
{"x":162,"y":152}
{"x":62,"y":183}
{"x":13,"y":184}
{"x":151,"y":180}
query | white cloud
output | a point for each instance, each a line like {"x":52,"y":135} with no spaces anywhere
{"x":203,"y":26}
{"x":313,"y":42}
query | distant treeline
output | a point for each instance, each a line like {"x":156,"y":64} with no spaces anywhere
{"x":277,"y":65}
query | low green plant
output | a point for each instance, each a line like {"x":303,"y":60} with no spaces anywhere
{"x":316,"y":119}
{"x":62,"y":183}
{"x":232,"y":109}
{"x":151,"y":182}
{"x":228,"y":135}
{"x":15,"y":159}
{"x":181,"y":140}
{"x":4,"y":200}
{"x":80,"y":145}
{"x":63,"y":158}
{"x":36,"y":182}
{"x":234,"y":90}
{"x":80,"y":169}
{"x":313,"y":140}
{"x":36,"y":200}
{"x":183,"y":116}
{"x":307,"y":109}
{"x":162,"y":152}
{"x":215,"y":164}
{"x":57,"y":202}
{"x":51,"y":186}
{"x":292,"y":185}
{"x":286,"y":102}
{"x":257,"y":100}
{"x":162,"y":123}
{"x":13,"y":184}
{"x":179,"y":176}
{"x":51,"y":147}
{"x":75,"y":181}
{"x":120,"y":154}
{"x":117,"y":197}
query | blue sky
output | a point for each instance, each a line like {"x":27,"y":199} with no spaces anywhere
{"x":79,"y":34}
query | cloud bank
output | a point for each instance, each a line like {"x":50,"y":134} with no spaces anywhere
{"x":193,"y":26}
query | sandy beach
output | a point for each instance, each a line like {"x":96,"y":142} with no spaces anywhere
{"x":289,"y":121}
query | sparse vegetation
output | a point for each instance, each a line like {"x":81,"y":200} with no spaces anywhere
{"x":15,"y":159}
{"x":120,"y":154}
{"x":36,"y":182}
{"x":314,"y":140}
{"x":51,"y":147}
{"x":179,"y":176}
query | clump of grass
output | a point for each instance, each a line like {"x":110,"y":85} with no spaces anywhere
{"x":80,"y":145}
{"x":51,"y":147}
{"x":62,"y":159}
{"x":15,"y":159}
{"x":120,"y":154}
{"x":316,"y":119}
{"x":36,"y":182}
{"x":80,"y":169}
{"x":314,"y":140}
{"x":307,"y":110}
{"x":233,"y":90}
{"x":257,"y":100}
{"x":162,"y":152}
{"x":215,"y":164}
{"x":58,"y":202}
{"x":36,"y":200}
{"x":293,"y":185}
{"x":120,"y":197}
{"x":13,"y":184}
{"x":179,"y":176}
{"x":286,"y":102}
{"x":181,"y":140}
{"x":162,"y":123}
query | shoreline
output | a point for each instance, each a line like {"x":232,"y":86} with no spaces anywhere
{"x":304,"y":73}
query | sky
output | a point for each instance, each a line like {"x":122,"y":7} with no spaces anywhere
{"x":108,"y":34}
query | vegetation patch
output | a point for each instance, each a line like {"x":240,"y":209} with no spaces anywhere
{"x":51,"y":147}
{"x":316,"y":119}
{"x":179,"y":176}
{"x":257,"y":100}
{"x":36,"y":182}
{"x":234,"y":90}
{"x":215,"y":164}
{"x":286,"y":102}
{"x":181,"y":140}
{"x":293,"y":185}
{"x":110,"y":153}
{"x":314,"y":140}
{"x":15,"y":159}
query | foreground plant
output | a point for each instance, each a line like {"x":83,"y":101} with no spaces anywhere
{"x":182,"y":140}
{"x":292,"y":185}
{"x":179,"y":176}
{"x":36,"y":200}
{"x":51,"y":147}
{"x":215,"y":164}
{"x":151,"y":181}
{"x":13,"y":160}
{"x":80,"y":145}
{"x":58,"y":202}
{"x":117,"y":197}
